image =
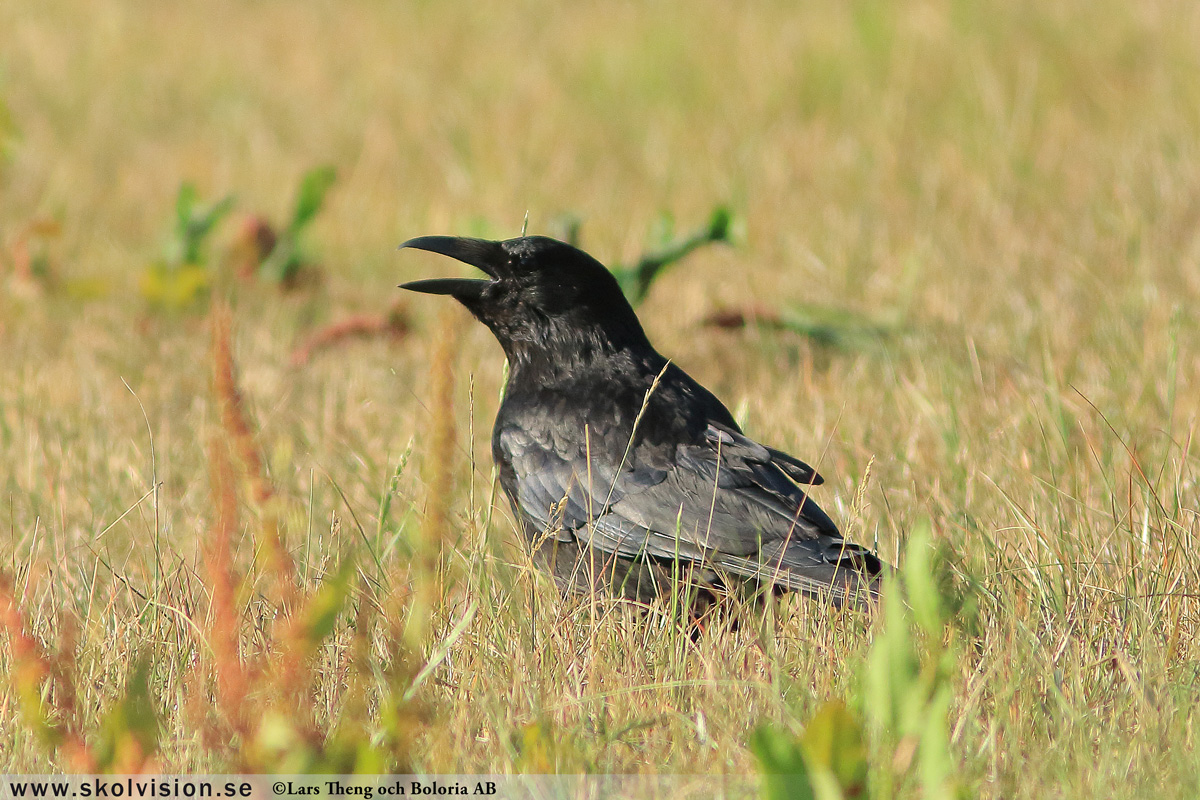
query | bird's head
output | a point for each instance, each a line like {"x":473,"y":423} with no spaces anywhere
{"x":541,"y":296}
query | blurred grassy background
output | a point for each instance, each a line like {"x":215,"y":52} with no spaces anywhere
{"x":1015,"y":186}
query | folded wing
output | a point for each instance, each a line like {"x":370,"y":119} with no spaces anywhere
{"x":723,"y":500}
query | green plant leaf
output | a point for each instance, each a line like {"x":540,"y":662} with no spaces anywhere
{"x":201,"y":225}
{"x":175,"y":288}
{"x":935,"y":765}
{"x":834,"y":327}
{"x":193,"y":225}
{"x":635,"y":280}
{"x":130,"y":729}
{"x":891,"y":665}
{"x":313,"y":187}
{"x":782,"y":766}
{"x":836,"y":752}
{"x":920,"y":583}
{"x":720,"y":224}
{"x":185,"y":201}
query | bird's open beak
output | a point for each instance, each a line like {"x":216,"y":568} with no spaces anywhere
{"x":459,"y":288}
{"x":479,"y":253}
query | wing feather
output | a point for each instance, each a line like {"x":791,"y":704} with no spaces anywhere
{"x":724,"y":499}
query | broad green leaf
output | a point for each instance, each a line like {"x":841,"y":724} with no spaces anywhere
{"x":934,"y":762}
{"x":193,"y":225}
{"x":891,"y":665}
{"x":781,"y":764}
{"x":313,"y":187}
{"x":204,"y":221}
{"x":185,"y":201}
{"x":924,"y":596}
{"x":835,"y":752}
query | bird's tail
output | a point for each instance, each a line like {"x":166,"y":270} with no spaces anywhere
{"x":831,"y":569}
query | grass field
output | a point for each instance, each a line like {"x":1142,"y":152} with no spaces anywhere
{"x":1007,"y":195}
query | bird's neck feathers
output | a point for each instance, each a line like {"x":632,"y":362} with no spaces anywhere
{"x":557,"y":350}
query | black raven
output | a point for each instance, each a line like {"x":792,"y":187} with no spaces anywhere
{"x":624,"y":471}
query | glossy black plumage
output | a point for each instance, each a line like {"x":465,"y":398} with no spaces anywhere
{"x":624,"y":471}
